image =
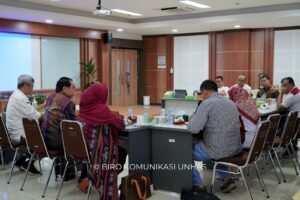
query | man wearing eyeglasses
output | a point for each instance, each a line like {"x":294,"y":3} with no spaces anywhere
{"x":19,"y":107}
{"x":218,"y":118}
{"x":223,"y":90}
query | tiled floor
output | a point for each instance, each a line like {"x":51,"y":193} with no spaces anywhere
{"x":33,"y":187}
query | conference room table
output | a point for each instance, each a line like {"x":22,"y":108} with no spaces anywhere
{"x":168,"y":149}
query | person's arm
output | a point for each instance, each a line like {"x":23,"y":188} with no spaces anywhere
{"x":259,"y":93}
{"x":119,"y":123}
{"x":200,"y":118}
{"x":69,"y":112}
{"x":249,"y":89}
{"x":27,"y":110}
{"x":275,"y":94}
{"x":286,"y":103}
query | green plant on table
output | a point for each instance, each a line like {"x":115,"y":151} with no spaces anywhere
{"x":40,"y":98}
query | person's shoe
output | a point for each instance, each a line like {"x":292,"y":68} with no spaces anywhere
{"x":83,"y":186}
{"x":202,"y":188}
{"x":20,"y":161}
{"x":228,"y":186}
{"x":32,"y":170}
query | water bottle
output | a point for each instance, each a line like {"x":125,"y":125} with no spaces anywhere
{"x":264,"y":96}
{"x":170,"y":117}
{"x":34,"y":103}
{"x":162,"y":112}
{"x":130,"y":112}
{"x":146,"y":115}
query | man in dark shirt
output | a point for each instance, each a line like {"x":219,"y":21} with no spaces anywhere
{"x":268,"y":90}
{"x":58,"y":107}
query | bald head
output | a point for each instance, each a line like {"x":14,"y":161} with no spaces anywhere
{"x":241,"y":80}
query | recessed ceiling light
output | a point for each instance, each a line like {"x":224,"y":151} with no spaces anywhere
{"x":237,"y":26}
{"x":120,"y":29}
{"x":192,"y":3}
{"x":55,"y":0}
{"x":49,"y":21}
{"x":175,"y":30}
{"x":126,"y":12}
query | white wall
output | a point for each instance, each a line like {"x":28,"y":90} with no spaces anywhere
{"x":287,"y":55}
{"x":190,"y":62}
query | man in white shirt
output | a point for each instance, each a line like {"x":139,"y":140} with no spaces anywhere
{"x":241,"y":82}
{"x":222,"y":90}
{"x":19,"y":107}
{"x":292,"y":99}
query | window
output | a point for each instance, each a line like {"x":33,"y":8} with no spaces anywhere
{"x":46,"y":59}
{"x":19,"y":54}
{"x":190,"y":62}
{"x":286,"y":55}
{"x":60,"y":57}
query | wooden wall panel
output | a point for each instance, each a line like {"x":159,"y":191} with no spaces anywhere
{"x":244,"y":52}
{"x":269,"y":51}
{"x":105,"y":63}
{"x":151,"y":49}
{"x":257,"y":56}
{"x":212,"y":55}
{"x":232,"y":55}
{"x":89,"y":48}
{"x":170,"y":62}
{"x":34,"y":28}
{"x":157,"y":79}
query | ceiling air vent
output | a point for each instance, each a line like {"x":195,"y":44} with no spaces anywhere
{"x":177,"y":10}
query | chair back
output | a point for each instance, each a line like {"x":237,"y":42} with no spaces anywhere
{"x":274,"y":123}
{"x":34,"y":138}
{"x":74,"y":141}
{"x":288,"y":130}
{"x":297,"y":130}
{"x":258,"y":141}
{"x":4,"y":137}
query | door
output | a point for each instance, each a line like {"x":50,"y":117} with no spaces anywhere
{"x":124,"y":77}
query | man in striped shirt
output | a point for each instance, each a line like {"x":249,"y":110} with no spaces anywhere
{"x":218,"y":118}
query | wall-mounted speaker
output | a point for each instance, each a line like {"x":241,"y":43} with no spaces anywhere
{"x":107,"y":38}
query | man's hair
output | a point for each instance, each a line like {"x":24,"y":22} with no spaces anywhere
{"x":209,"y":85}
{"x":266,"y":76}
{"x":220,"y":77}
{"x":289,"y":79}
{"x":25,"y":80}
{"x":61,"y":83}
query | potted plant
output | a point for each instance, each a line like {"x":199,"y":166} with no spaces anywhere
{"x":40,"y":98}
{"x":89,"y":71}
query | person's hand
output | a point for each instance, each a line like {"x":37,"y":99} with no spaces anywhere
{"x":40,"y":106}
{"x":222,"y":92}
{"x":269,"y":101}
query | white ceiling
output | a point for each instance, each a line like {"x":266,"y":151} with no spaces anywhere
{"x":223,"y":15}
